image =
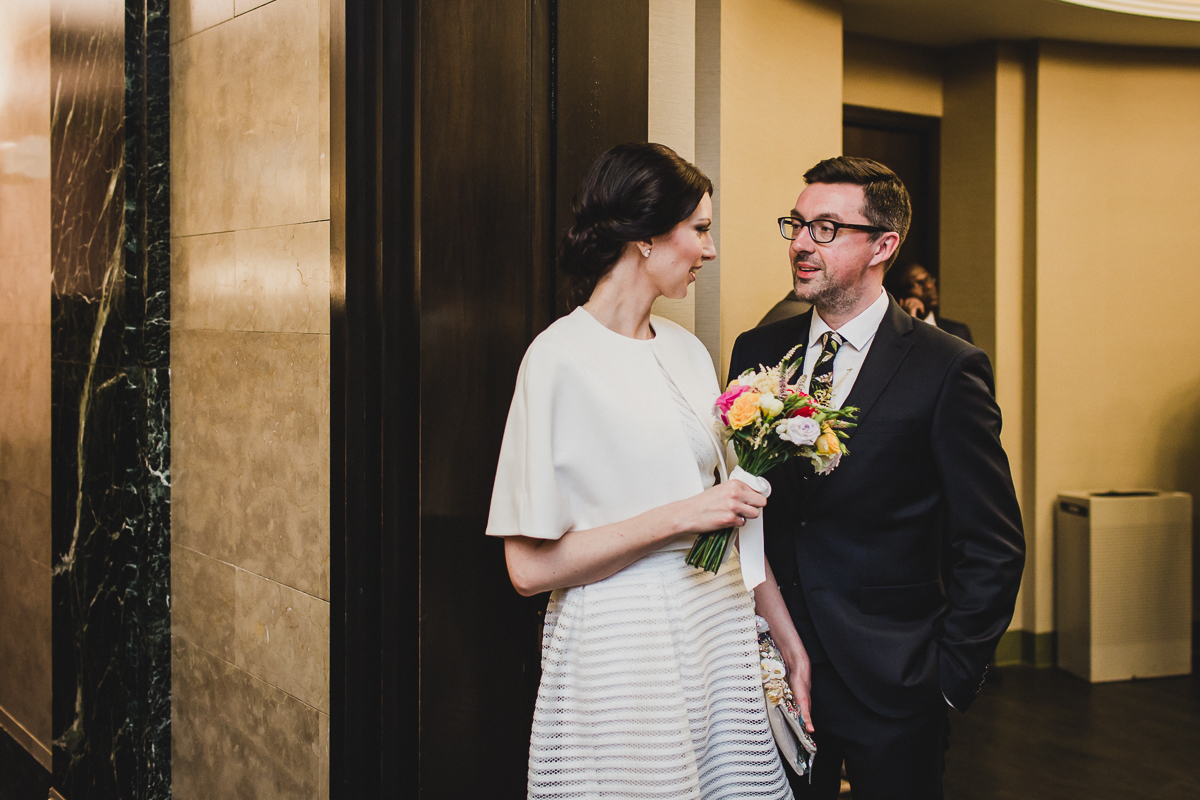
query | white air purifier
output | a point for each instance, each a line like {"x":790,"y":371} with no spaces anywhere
{"x":1123,"y":584}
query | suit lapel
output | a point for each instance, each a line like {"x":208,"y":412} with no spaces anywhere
{"x":793,"y":336}
{"x":888,"y":350}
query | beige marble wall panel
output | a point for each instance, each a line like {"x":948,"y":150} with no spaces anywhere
{"x":25,"y":406}
{"x":24,"y":280}
{"x":242,"y":6}
{"x":203,"y":601}
{"x":282,"y":637}
{"x":247,"y":121}
{"x":25,"y":130}
{"x":265,"y":279}
{"x":25,"y":212}
{"x":323,"y":13}
{"x":235,"y":737}
{"x":25,"y":644}
{"x":250,"y":452}
{"x":323,"y":756}
{"x":189,"y":17}
{"x":24,"y":524}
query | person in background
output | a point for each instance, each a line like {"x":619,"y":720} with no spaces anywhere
{"x":917,"y":292}
{"x":789,"y":306}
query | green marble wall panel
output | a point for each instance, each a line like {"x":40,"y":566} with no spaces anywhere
{"x":110,"y":417}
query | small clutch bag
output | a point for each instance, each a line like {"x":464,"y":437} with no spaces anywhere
{"x":795,"y":744}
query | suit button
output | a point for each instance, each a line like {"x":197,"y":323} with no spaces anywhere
{"x":803,"y":523}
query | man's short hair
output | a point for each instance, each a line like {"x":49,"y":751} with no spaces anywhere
{"x":887,"y":204}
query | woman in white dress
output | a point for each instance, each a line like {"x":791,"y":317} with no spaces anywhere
{"x":608,"y":470}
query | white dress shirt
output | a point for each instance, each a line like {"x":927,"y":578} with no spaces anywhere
{"x":858,"y":334}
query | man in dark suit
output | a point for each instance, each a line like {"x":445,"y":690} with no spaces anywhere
{"x":917,"y":291}
{"x":857,"y":553}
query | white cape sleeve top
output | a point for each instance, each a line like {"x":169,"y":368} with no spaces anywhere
{"x":593,"y":434}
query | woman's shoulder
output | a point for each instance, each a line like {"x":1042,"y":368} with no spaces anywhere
{"x":673,"y":336}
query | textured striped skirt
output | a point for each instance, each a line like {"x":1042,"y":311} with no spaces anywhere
{"x":651,"y":689}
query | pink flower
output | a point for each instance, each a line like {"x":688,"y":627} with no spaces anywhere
{"x":725,"y":402}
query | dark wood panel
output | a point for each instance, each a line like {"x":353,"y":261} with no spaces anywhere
{"x":454,"y":125}
{"x":477,"y":237}
{"x":602,"y":89}
{"x":910,"y":145}
{"x":485,"y":290}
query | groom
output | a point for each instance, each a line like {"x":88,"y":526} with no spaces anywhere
{"x":901,"y":567}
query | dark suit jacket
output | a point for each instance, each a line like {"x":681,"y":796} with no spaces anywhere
{"x":858,"y":553}
{"x":959,"y":329}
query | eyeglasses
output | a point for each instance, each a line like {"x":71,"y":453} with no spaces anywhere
{"x":822,"y":231}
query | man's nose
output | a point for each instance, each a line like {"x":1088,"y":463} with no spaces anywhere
{"x":803,"y":242}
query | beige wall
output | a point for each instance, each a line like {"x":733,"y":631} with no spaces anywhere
{"x":250,"y":398}
{"x":1118,"y":375}
{"x":671,"y":118}
{"x":891,"y":75}
{"x":769,"y":137}
{"x":25,"y":374}
{"x":984,"y":266}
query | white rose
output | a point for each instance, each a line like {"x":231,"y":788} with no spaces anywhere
{"x":770,"y":405}
{"x":825,"y":464}
{"x":798,"y":430}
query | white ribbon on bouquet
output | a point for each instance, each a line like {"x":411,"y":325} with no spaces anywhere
{"x":751,"y":549}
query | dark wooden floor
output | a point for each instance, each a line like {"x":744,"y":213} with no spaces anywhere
{"x":1042,"y":733}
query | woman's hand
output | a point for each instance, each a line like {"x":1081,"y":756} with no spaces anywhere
{"x":726,"y":505}
{"x":800,"y":679}
{"x":769,"y":604}
{"x":587,"y":556}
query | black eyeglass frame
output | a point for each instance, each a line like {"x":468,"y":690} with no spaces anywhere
{"x":837,"y":226}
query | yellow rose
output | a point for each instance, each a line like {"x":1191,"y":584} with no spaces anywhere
{"x":828,"y":444}
{"x":744,"y":410}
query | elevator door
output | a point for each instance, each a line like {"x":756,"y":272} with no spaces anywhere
{"x":909,"y":144}
{"x":515,"y":101}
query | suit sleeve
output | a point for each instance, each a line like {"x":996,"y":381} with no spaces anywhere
{"x":735,"y":360}
{"x":982,"y":524}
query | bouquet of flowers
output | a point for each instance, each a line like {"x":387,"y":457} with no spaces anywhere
{"x":769,"y":421}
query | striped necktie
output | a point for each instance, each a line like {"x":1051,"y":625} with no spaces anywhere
{"x":820,"y":385}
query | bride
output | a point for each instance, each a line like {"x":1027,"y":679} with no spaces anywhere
{"x":608,"y":470}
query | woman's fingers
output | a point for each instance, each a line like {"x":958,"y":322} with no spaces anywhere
{"x":746,"y":494}
{"x":800,"y":691}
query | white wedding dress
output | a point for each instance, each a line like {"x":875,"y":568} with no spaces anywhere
{"x":650,"y":680}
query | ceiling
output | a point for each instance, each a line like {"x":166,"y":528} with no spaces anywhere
{"x":948,"y":23}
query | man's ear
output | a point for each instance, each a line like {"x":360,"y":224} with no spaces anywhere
{"x":885,"y":246}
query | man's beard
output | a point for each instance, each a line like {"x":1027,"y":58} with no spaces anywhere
{"x":832,"y":297}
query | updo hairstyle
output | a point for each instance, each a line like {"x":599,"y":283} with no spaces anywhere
{"x":632,"y":193}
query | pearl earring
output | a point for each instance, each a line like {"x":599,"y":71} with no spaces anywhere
{"x":646,"y":253}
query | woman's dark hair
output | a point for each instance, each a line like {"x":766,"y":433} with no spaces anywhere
{"x":632,"y":193}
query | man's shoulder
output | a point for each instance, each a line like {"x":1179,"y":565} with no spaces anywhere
{"x":769,"y":343}
{"x":936,"y":351}
{"x":789,"y":329}
{"x":955,"y":327}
